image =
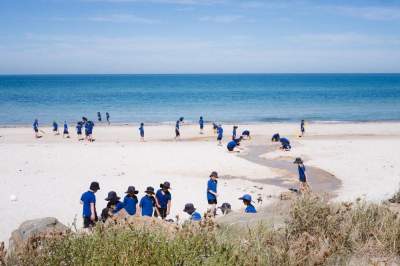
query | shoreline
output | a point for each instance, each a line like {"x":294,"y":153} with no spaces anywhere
{"x":191,"y":123}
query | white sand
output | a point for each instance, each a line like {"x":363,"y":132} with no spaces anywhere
{"x":48,"y":175}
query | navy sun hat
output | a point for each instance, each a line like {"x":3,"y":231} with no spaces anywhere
{"x":298,"y":160}
{"x":225,"y":207}
{"x":149,"y":190}
{"x":94,"y":186}
{"x":112,"y":195}
{"x":165,"y":185}
{"x":189,"y":208}
{"x":131,"y":190}
{"x":214,"y":174}
{"x":246,"y":197}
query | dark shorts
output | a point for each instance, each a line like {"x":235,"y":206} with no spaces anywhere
{"x":142,"y":135}
{"x":55,"y":129}
{"x":177,"y":133}
{"x":219,"y":138}
{"x":66,"y":132}
{"x":214,"y":201}
{"x":87,"y":223}
{"x":163,"y":212}
{"x":36,"y":129}
{"x":79,"y":132}
{"x":201,"y":127}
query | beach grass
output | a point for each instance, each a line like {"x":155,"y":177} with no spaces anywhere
{"x":316,"y":232}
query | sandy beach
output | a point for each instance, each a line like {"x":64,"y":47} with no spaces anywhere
{"x":48,"y":175}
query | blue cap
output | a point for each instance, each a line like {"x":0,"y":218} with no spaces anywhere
{"x":246,"y":197}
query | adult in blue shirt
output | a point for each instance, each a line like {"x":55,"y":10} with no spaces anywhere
{"x":246,"y":198}
{"x":65,"y":132}
{"x":304,"y":187}
{"x":88,"y":200}
{"x":234,"y":132}
{"x":212,"y":192}
{"x":285,"y":144}
{"x":164,"y":200}
{"x":148,"y":202}
{"x":201,"y":124}
{"x":191,"y":210}
{"x":131,"y":200}
{"x":55,"y":128}
{"x":113,"y":206}
{"x":141,"y":131}
{"x":220,"y":132}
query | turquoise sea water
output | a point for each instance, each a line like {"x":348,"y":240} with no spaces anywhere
{"x":225,"y":98}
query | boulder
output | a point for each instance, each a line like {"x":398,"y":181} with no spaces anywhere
{"x":28,"y":230}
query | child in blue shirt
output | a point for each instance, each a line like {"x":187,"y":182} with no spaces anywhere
{"x":285,"y":144}
{"x":191,"y":210}
{"x":302,"y":127}
{"x":79,"y":130}
{"x":141,"y":131}
{"x":246,"y":134}
{"x":304,"y":187}
{"x":113,"y":206}
{"x":65,"y":132}
{"x":177,"y":131}
{"x":131,"y":200}
{"x":99,"y":116}
{"x":231,"y":145}
{"x":212,"y":192}
{"x":247,"y":202}
{"x":148,"y":202}
{"x":201,"y":124}
{"x":220,"y":132}
{"x":36,"y":128}
{"x":108,"y":117}
{"x":234,"y":132}
{"x":55,"y":128}
{"x":88,"y":200}
{"x":164,"y":198}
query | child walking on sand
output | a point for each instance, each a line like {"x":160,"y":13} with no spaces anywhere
{"x":36,"y":128}
{"x":141,"y":131}
{"x":212,"y":193}
{"x":304,"y":187}
{"x":79,"y":130}
{"x":201,"y":124}
{"x":234,"y":132}
{"x":164,"y":200}
{"x":65,"y":132}
{"x":220,"y":132}
{"x":55,"y":128}
{"x":108,"y":117}
{"x":302,"y":127}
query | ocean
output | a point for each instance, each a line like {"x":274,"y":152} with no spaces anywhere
{"x":234,"y":98}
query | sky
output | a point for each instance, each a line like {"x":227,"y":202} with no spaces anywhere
{"x":199,"y":36}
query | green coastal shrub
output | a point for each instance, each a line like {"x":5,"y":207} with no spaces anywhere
{"x":315,"y":233}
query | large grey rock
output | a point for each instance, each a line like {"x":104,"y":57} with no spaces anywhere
{"x":35,"y":228}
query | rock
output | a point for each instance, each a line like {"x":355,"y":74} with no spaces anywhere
{"x":35,"y":228}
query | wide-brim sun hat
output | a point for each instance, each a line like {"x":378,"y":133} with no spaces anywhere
{"x":214,"y":174}
{"x":131,"y":190}
{"x":112,"y":195}
{"x":165,"y":185}
{"x":149,"y":190}
{"x":94,"y":186}
{"x":298,"y":160}
{"x":189,"y":207}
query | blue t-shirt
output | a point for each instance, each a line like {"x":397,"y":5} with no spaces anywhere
{"x":177,"y":124}
{"x":220,"y":132}
{"x":201,"y":122}
{"x":211,"y":186}
{"x":79,"y":127}
{"x":195,"y":217}
{"x":65,"y":127}
{"x":163,"y":198}
{"x":55,"y":126}
{"x":302,"y":173}
{"x":231,"y":144}
{"x":87,"y":198}
{"x":130,"y":204}
{"x":147,"y":203}
{"x":141,"y":130}
{"x":118,"y":206}
{"x":35,"y":124}
{"x":250,"y":209}
{"x":234,"y":133}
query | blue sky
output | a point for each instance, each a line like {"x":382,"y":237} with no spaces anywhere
{"x":198,"y":36}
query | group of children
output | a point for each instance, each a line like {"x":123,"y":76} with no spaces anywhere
{"x":157,"y":204}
